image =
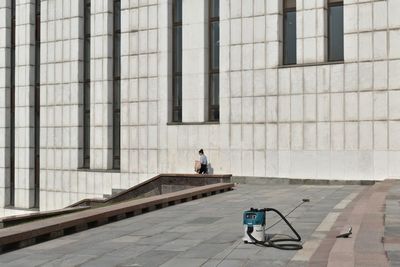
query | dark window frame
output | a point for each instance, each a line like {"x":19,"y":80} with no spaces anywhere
{"x":334,"y":4}
{"x":287,"y":10}
{"x":116,"y":151}
{"x":176,"y":73}
{"x":212,"y":72}
{"x":37,"y":106}
{"x":86,"y":85}
{"x":12,"y":104}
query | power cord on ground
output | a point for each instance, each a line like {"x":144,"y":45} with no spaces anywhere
{"x":280,"y":243}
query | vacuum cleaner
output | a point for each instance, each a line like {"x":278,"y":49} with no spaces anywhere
{"x":254,"y":222}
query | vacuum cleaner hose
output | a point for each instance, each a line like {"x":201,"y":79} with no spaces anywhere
{"x":277,"y":243}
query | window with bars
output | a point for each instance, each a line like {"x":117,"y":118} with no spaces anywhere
{"x":289,"y":32}
{"x":213,"y":37}
{"x":335,"y":30}
{"x":117,"y":86}
{"x":86,"y":86}
{"x":177,"y":62}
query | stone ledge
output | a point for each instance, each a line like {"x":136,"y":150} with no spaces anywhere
{"x":24,"y":218}
{"x":160,"y":184}
{"x":293,"y":181}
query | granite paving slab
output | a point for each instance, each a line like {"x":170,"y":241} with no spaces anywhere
{"x":208,"y":232}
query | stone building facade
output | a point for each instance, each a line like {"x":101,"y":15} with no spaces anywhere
{"x":98,"y":95}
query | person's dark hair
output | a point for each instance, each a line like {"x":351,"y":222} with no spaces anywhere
{"x":201,"y":151}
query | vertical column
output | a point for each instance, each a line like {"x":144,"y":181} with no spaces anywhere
{"x":5,"y":71}
{"x":25,"y":105}
{"x":61,"y":100}
{"x":164,"y":80}
{"x":225,"y":50}
{"x":139,"y":97}
{"x":166,"y":46}
{"x":101,"y":86}
{"x":195,"y":61}
{"x":311,"y":31}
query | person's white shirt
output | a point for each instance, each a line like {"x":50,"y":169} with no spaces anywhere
{"x":203,"y":159}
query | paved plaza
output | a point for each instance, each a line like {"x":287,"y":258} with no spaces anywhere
{"x":208,"y":232}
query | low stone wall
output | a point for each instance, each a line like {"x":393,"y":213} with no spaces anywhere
{"x":274,"y":180}
{"x":160,"y":184}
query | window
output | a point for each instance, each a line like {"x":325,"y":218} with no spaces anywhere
{"x":12,"y":106}
{"x":86,"y":86}
{"x":117,"y":85}
{"x":177,"y":62}
{"x":289,"y":32}
{"x":213,"y":102}
{"x":37,"y":104}
{"x":335,"y":30}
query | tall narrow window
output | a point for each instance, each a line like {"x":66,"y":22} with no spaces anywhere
{"x":177,"y":62}
{"x":12,"y":106}
{"x":116,"y":85}
{"x":335,"y":30}
{"x":86,"y":86}
{"x":289,"y":32}
{"x":37,"y":104}
{"x":213,"y":104}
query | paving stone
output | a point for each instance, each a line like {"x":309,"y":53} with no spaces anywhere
{"x":33,"y":260}
{"x":226,"y":237}
{"x":231,"y":263}
{"x":263,"y":263}
{"x":186,"y":228}
{"x":131,"y":251}
{"x":180,"y":262}
{"x":15,"y":255}
{"x":159,"y":238}
{"x":274,"y":254}
{"x":203,"y":251}
{"x":393,"y":229}
{"x":69,"y":260}
{"x":151,"y":258}
{"x":127,"y":239}
{"x":179,"y":245}
{"x":211,"y":263}
{"x":104,"y":261}
{"x":394,"y":255}
{"x":242,"y":254}
{"x":392,"y":247}
{"x":205,"y":220}
{"x":298,"y":264}
{"x":201,"y":235}
{"x":52,"y":244}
